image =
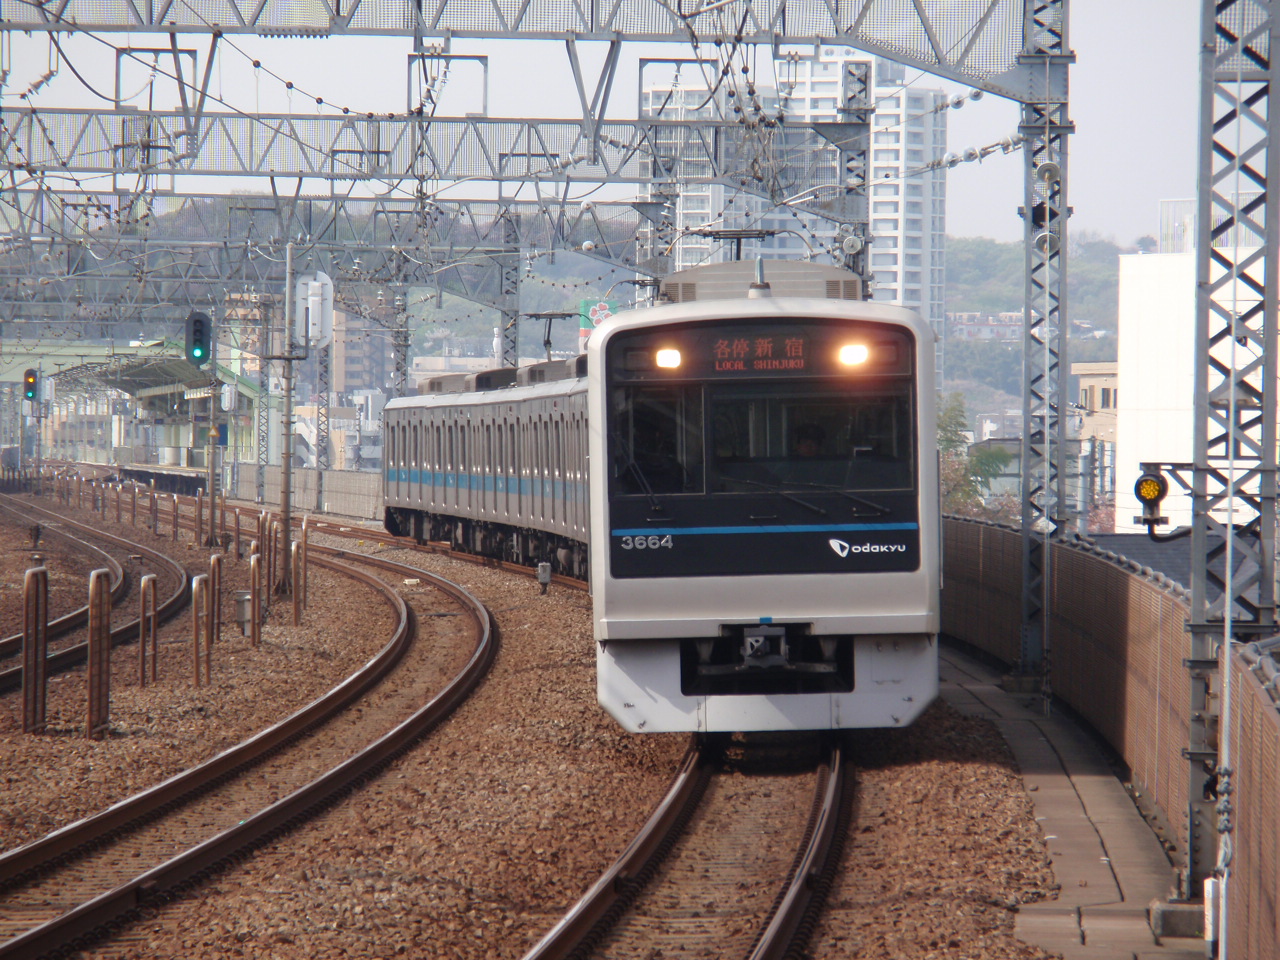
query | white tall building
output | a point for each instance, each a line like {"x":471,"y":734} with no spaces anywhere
{"x":906,"y":197}
{"x":1156,"y":414}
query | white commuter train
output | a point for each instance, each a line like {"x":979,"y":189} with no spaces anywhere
{"x":756,"y":478}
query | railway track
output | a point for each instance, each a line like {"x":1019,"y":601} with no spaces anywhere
{"x":66,"y":623}
{"x":694,"y":881}
{"x":168,"y":605}
{"x":143,"y":849}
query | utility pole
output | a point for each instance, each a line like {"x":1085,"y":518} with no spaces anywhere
{"x":284,"y":583}
{"x":211,"y":447}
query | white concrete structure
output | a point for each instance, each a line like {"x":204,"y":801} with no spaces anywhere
{"x":1156,"y":411}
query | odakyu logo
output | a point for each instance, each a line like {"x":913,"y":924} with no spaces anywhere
{"x":844,"y":549}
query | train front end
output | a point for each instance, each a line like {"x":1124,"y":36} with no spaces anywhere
{"x":765,"y":529}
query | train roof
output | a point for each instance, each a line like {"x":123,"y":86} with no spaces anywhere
{"x":505,"y":394}
{"x":781,"y":308}
{"x":786,"y":278}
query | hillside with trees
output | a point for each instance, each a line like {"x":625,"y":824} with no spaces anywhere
{"x":987,"y":277}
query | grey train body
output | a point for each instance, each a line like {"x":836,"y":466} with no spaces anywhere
{"x":749,"y":485}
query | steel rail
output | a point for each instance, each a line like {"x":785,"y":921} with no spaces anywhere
{"x":85,"y":920}
{"x":796,"y":908}
{"x":12,"y":646}
{"x":69,"y":657}
{"x":793,"y":911}
{"x":590,"y":918}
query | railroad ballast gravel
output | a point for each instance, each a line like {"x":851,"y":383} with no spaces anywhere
{"x":473,"y":843}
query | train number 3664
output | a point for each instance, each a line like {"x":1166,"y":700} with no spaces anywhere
{"x":653,"y":542}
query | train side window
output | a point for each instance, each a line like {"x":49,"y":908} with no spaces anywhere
{"x":391,"y":439}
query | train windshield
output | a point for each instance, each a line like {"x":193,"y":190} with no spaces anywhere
{"x":801,"y":436}
{"x":746,"y":408}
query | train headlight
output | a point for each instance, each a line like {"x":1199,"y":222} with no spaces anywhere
{"x":853,"y":354}
{"x":668,"y":358}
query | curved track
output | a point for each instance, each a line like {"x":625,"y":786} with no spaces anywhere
{"x":692,"y":877}
{"x":12,"y":646}
{"x":213,"y":812}
{"x":69,"y":657}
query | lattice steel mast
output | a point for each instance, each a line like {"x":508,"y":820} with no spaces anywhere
{"x":1045,"y":510}
{"x":1234,"y":474}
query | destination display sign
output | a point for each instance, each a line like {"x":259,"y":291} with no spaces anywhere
{"x":740,"y":349}
{"x":759,"y":353}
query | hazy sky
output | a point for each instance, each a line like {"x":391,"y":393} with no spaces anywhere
{"x":1134,"y":101}
{"x":1135,"y":104}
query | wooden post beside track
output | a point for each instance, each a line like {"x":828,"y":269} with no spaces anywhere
{"x":35,"y":648}
{"x":238,"y":555}
{"x":133,"y":507}
{"x":200,"y":516}
{"x":295,"y":554}
{"x":200,"y":611}
{"x":215,"y":588}
{"x":272,"y":534}
{"x":175,"y":518}
{"x":99,"y":717}
{"x":303,"y":578}
{"x":147,"y":629}
{"x":117,"y":486}
{"x":255,"y":598}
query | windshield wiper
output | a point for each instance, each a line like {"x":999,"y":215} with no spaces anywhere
{"x":777,"y":488}
{"x":875,"y":508}
{"x":655,"y":506}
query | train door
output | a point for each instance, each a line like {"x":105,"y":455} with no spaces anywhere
{"x":450,"y":464}
{"x":415,"y":467}
{"x":558,"y":471}
{"x":487,"y":485}
{"x":402,"y":465}
{"x":502,"y":499}
{"x":575,"y":472}
{"x":466,"y":466}
{"x":389,"y":470}
{"x":437,"y":466}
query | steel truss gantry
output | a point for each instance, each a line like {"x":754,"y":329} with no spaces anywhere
{"x":190,"y":249}
{"x":980,"y":42}
{"x":1013,"y":48}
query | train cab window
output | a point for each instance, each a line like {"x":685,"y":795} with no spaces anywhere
{"x":657,"y":432}
{"x":778,"y":435}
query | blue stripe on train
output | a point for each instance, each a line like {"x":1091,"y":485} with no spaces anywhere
{"x":780,"y":528}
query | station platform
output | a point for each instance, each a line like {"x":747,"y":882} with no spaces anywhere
{"x":1108,"y":863}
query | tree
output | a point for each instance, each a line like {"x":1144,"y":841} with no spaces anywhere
{"x":965,"y":478}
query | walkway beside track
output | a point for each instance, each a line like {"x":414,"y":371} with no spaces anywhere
{"x":1106,"y":859}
